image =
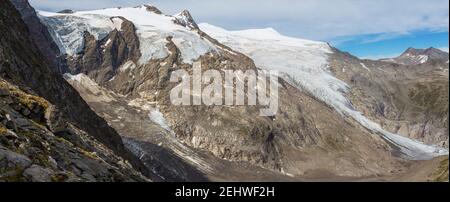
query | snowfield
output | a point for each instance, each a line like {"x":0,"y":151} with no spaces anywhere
{"x":304,"y":64}
{"x":152,"y":29}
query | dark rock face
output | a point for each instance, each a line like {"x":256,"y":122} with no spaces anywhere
{"x":101,"y":59}
{"x":22,"y":64}
{"x":153,"y":9}
{"x":40,"y":36}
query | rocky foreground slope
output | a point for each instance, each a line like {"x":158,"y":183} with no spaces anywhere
{"x":47,"y":131}
{"x":120,"y":61}
{"x":36,"y":146}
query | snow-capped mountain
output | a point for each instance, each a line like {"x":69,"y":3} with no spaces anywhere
{"x":152,"y":27}
{"x":120,"y":61}
{"x":305,"y":64}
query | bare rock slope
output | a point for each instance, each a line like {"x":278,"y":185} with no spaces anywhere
{"x":22,"y":65}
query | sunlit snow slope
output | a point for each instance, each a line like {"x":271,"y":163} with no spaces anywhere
{"x":152,"y":29}
{"x":304,"y":64}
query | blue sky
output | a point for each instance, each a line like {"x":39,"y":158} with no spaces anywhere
{"x":365,"y":28}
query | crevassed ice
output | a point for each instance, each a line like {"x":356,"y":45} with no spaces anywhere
{"x":304,"y":63}
{"x":152,"y":29}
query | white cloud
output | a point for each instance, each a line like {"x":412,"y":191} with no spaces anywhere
{"x":313,"y":19}
{"x":444,"y":49}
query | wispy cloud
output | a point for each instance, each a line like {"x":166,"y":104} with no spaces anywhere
{"x":383,"y":37}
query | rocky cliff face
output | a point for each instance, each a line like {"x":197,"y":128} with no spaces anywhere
{"x":40,"y":36}
{"x":23,"y":65}
{"x":411,"y":100}
{"x":102,"y":59}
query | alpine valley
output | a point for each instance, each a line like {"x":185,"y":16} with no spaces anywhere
{"x":85,"y":96}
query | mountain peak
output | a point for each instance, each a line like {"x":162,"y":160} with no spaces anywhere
{"x":428,"y":52}
{"x":150,"y":8}
{"x":414,"y":56}
{"x":410,"y":50}
{"x":153,"y":9}
{"x":185,"y":19}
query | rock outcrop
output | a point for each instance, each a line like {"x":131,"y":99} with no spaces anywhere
{"x":102,"y":59}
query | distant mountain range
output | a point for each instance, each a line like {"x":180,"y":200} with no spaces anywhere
{"x":414,"y":56}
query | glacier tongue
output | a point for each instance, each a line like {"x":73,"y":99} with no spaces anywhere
{"x":304,"y":64}
{"x":152,"y":29}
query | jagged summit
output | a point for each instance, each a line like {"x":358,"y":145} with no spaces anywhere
{"x":185,"y":18}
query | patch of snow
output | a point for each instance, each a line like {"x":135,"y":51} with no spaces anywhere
{"x":304,"y":64}
{"x":128,"y":65}
{"x":365,"y":67}
{"x":117,"y":23}
{"x":414,"y":59}
{"x":388,"y":60}
{"x":422,"y":59}
{"x":71,"y":77}
{"x":142,"y":104}
{"x":157,"y":117}
{"x":108,"y":42}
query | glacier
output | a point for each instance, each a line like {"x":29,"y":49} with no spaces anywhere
{"x":152,"y":29}
{"x":304,"y":64}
